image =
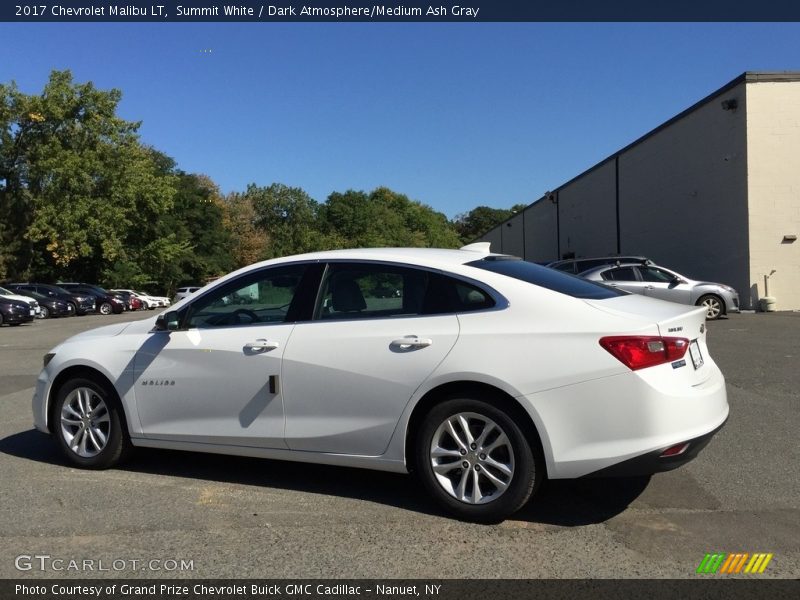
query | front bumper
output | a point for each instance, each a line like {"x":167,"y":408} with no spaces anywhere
{"x":15,"y":318}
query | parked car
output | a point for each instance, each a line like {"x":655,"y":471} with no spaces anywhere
{"x":578,"y":265}
{"x":80,"y":303}
{"x":132,"y":302}
{"x":15,"y":312}
{"x":184,"y":292}
{"x":105,"y":301}
{"x":148,"y":302}
{"x":485,"y":375}
{"x":659,"y":282}
{"x":154,"y":301}
{"x":52,"y":307}
{"x":4,"y":293}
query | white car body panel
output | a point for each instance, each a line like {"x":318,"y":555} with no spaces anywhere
{"x":344,"y":397}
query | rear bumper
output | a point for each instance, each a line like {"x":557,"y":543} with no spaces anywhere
{"x":653,"y":462}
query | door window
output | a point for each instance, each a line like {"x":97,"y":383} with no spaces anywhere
{"x":621,"y":274}
{"x":374,"y":291}
{"x":266,"y":296}
{"x":655,"y":275}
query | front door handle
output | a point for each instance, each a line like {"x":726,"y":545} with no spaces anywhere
{"x":261,"y":346}
{"x":649,"y":287}
{"x":412,"y":341}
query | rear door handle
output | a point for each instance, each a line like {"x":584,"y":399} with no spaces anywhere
{"x":412,"y":341}
{"x":261,"y":345}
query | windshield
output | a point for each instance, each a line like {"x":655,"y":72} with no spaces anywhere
{"x":545,"y":277}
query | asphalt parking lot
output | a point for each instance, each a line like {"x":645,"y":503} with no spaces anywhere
{"x":235,"y":517}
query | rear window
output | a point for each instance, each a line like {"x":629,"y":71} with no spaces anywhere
{"x":558,"y":281}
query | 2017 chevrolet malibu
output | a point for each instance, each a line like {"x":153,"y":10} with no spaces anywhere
{"x":483,"y":373}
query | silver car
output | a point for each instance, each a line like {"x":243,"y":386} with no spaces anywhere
{"x":658,"y":282}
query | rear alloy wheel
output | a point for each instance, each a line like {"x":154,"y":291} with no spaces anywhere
{"x":475,"y":460}
{"x":106,"y":308}
{"x":88,"y":424}
{"x":714,"y":306}
{"x":44,"y":312}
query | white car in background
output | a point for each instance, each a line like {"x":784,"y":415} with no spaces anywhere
{"x":185,"y":292}
{"x":482,"y":373}
{"x":149,"y":302}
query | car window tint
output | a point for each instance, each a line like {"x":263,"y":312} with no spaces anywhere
{"x":621,"y":274}
{"x":257,"y":298}
{"x":560,"y":282}
{"x":365,"y":291}
{"x":448,"y":295}
{"x":655,"y":275}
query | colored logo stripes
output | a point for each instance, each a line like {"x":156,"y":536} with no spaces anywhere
{"x":742,"y":562}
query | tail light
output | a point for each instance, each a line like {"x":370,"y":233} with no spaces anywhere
{"x":639,"y":352}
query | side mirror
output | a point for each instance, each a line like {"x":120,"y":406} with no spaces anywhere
{"x":167,"y":321}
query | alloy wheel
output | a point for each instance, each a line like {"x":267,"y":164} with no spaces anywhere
{"x":713,"y":307}
{"x":85,"y":422}
{"x":472,"y":458}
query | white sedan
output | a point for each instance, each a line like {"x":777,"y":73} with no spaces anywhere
{"x":482,"y":373}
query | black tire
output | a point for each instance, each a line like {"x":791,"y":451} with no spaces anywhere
{"x":527,"y":469}
{"x":73,"y":309}
{"x":715,"y":306}
{"x":1,"y":318}
{"x":106,"y":308}
{"x":44,"y":312}
{"x":117,"y":446}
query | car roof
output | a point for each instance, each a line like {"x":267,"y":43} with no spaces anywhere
{"x":420,"y":256}
{"x":611,"y":258}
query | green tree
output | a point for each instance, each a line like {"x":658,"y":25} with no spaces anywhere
{"x":481,"y":219}
{"x":74,"y":179}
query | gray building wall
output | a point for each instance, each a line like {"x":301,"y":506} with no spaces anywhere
{"x":711,"y":193}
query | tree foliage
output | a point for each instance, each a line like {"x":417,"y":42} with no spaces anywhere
{"x":83,"y":199}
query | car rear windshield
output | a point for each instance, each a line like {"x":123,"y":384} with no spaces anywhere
{"x":545,"y":277}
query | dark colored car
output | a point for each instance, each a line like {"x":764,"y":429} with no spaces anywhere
{"x":81,"y":303}
{"x":579,"y":265}
{"x":105,"y":302}
{"x":51,"y":307}
{"x":15,"y":312}
{"x":131,"y":301}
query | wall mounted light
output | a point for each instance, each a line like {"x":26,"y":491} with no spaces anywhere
{"x":730,"y":104}
{"x":789,"y":238}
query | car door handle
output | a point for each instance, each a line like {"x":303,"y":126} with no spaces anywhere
{"x":412,"y":341}
{"x":261,"y":345}
{"x":649,"y":287}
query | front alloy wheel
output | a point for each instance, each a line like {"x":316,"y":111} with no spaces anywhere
{"x":475,"y":460}
{"x":713,"y":306}
{"x":44,"y":312}
{"x":88,"y":424}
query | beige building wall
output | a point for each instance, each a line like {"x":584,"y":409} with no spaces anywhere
{"x":683,"y":194}
{"x":541,"y":231}
{"x":773,"y":185}
{"x":588,"y":213}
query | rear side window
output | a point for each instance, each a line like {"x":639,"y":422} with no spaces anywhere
{"x":378,"y":291}
{"x":621,"y":274}
{"x":560,"y":282}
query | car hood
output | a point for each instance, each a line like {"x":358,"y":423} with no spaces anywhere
{"x":142,"y":326}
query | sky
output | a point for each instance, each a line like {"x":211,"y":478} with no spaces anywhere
{"x":454,"y":115}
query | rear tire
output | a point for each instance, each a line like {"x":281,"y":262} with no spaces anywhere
{"x":106,"y":308}
{"x":714,"y":305}
{"x":88,"y":424}
{"x":44,"y":312}
{"x":475,"y":461}
{"x":72,"y":308}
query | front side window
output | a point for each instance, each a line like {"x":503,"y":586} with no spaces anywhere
{"x":266,"y":296}
{"x":655,"y":275}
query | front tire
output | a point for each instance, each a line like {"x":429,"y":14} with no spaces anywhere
{"x":88,"y":424}
{"x":475,"y":461}
{"x":44,"y":312}
{"x":714,"y":305}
